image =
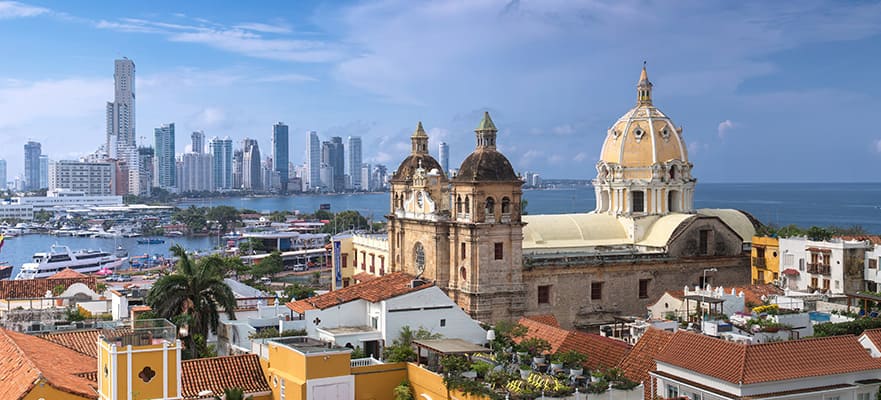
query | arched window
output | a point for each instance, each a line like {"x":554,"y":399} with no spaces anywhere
{"x":673,"y":172}
{"x":458,"y":204}
{"x":506,"y":205}
{"x":490,"y":207}
{"x":467,"y":205}
{"x":419,"y":257}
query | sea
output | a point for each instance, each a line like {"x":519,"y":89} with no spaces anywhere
{"x":802,"y":204}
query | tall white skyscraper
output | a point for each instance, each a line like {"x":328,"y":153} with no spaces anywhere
{"x":121,"y":142}
{"x":252,"y":170}
{"x":164,"y":160}
{"x":366,"y":175}
{"x":196,"y":173}
{"x":3,"y":179}
{"x":198,"y":145}
{"x":221,"y":151}
{"x":313,"y":161}
{"x":44,"y":171}
{"x":354,"y":161}
{"x":443,"y":155}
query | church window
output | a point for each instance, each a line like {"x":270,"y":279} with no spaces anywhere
{"x":638,"y":133}
{"x":673,"y":172}
{"x":596,"y":290}
{"x":463,"y":273}
{"x":459,"y":204}
{"x":490,"y":208}
{"x":463,"y":250}
{"x":467,"y":205}
{"x":644,"y":288}
{"x":499,"y":251}
{"x":506,"y":205}
{"x":419,"y":257}
{"x":638,"y":201}
{"x":544,"y":294}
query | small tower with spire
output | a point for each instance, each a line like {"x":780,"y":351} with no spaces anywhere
{"x":419,"y":140}
{"x":644,"y":88}
{"x":486,"y":133}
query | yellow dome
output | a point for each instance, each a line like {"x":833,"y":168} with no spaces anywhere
{"x":644,"y":136}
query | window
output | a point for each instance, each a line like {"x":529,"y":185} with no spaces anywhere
{"x":825,"y":284}
{"x":862,"y":396}
{"x":355,"y":259}
{"x":788,"y":259}
{"x":760,"y":252}
{"x":873,"y":263}
{"x":463,"y":250}
{"x":833,"y":398}
{"x":704,"y":242}
{"x":499,"y":251}
{"x":672,"y":392}
{"x":490,"y":208}
{"x":506,"y":205}
{"x":801,"y":264}
{"x":638,"y":201}
{"x":374,"y":322}
{"x":596,"y":290}
{"x":838,"y":284}
{"x":644,"y":288}
{"x":544,"y":294}
{"x":814,"y":283}
{"x":345,"y":260}
{"x":443,"y":322}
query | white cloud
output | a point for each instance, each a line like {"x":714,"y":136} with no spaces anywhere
{"x":581,"y":156}
{"x":724,"y":128}
{"x":210,"y":117}
{"x":563,"y":130}
{"x":265,"y":28}
{"x":14,"y":9}
{"x":26,"y":102}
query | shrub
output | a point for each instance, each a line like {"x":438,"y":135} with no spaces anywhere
{"x":403,"y":392}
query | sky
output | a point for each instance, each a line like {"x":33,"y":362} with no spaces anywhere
{"x":780,"y":91}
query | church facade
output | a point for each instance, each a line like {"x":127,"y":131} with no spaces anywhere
{"x":467,"y":234}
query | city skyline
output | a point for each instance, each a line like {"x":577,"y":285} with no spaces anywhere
{"x":557,"y":74}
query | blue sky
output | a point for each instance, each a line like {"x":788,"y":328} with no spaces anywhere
{"x":765,"y":91}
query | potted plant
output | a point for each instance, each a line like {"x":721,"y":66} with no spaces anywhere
{"x":536,"y":348}
{"x":556,"y":362}
{"x":525,"y":370}
{"x":57,"y":291}
{"x":596,"y":376}
{"x":573,"y":360}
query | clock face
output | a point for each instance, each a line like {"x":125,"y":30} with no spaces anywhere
{"x":419,"y":199}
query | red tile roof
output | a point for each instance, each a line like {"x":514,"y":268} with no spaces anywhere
{"x":219,"y":373}
{"x":24,"y":359}
{"x":83,"y":341}
{"x":874,"y":239}
{"x":547,"y":319}
{"x":875,"y":336}
{"x":364,"y":277}
{"x":767,"y":362}
{"x":641,"y":358}
{"x":67,"y":273}
{"x":19,"y":289}
{"x":601,"y":352}
{"x":376,"y":290}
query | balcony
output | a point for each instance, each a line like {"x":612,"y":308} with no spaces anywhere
{"x":759,"y":262}
{"x":364,"y":362}
{"x":819,"y":269}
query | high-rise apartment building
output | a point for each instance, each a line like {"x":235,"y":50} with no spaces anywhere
{"x":121,"y":143}
{"x":165,"y":164}
{"x":198,"y":142}
{"x":333,"y":156}
{"x":280,"y":151}
{"x":146,"y":157}
{"x":222,"y":162}
{"x":443,"y":155}
{"x":354,"y":160}
{"x":91,"y":178}
{"x":44,"y":171}
{"x":366,"y":175}
{"x":252,"y":174}
{"x":196,"y":173}
{"x":313,"y":162}
{"x":3,"y":179}
{"x":237,"y":168}
{"x":32,"y":152}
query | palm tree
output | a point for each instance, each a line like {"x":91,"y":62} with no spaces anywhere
{"x":233,"y":394}
{"x":193,"y":295}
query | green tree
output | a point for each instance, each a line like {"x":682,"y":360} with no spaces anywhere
{"x":298,"y":291}
{"x":251,"y":245}
{"x":323,"y":215}
{"x":344,"y":221}
{"x":42,"y":216}
{"x":819,"y":234}
{"x":225,"y":216}
{"x":268,"y":266}
{"x":402,"y":347}
{"x":278,"y":216}
{"x":194,"y":218}
{"x":194,"y":294}
{"x":233,"y":394}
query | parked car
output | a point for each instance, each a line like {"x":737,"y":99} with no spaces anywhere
{"x":124,"y":278}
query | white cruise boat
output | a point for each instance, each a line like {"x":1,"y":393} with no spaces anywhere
{"x":60,"y":258}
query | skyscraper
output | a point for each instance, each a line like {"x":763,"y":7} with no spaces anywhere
{"x":366,"y":175}
{"x":196,"y":173}
{"x":165,"y":163}
{"x":198,"y":145}
{"x":121,"y":142}
{"x":44,"y":171}
{"x":313,"y":161}
{"x":280,"y":153}
{"x":237,"y":168}
{"x":221,"y":151}
{"x":443,"y":155}
{"x":333,"y":156}
{"x":3,"y":181}
{"x":32,"y":152}
{"x":145,"y":163}
{"x":354,"y":166}
{"x":252,"y":174}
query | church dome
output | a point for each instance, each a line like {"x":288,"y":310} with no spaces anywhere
{"x":418,"y":158}
{"x":486,"y":163}
{"x":644,"y":136}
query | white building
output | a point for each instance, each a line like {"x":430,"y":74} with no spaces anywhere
{"x":354,"y":162}
{"x":121,"y":143}
{"x":834,"y":266}
{"x":870,"y":271}
{"x":24,"y":212}
{"x":197,"y":173}
{"x":704,"y":368}
{"x":313,"y":162}
{"x":221,"y":151}
{"x":371,"y":314}
{"x":63,"y":198}
{"x":3,"y":181}
{"x":92,"y":179}
{"x":366,"y":178}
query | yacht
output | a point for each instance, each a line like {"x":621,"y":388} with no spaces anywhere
{"x":5,"y":271}
{"x":60,"y":258}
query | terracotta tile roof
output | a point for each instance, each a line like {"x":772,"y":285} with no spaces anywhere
{"x":219,"y":373}
{"x":67,"y":273}
{"x":24,"y":359}
{"x":19,"y":289}
{"x":749,"y":364}
{"x":874,"y":239}
{"x":141,"y":308}
{"x":641,"y":358}
{"x":364,"y":277}
{"x":753,"y":294}
{"x":601,"y":352}
{"x":547,"y":319}
{"x":82,"y":341}
{"x":875,"y":336}
{"x":376,"y":290}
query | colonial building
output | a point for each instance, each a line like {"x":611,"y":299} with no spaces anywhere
{"x":466,"y":233}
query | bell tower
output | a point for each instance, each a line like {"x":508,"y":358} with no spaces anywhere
{"x":486,"y":232}
{"x":143,"y":363}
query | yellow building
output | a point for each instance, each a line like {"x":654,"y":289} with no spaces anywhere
{"x":765,"y":260}
{"x":142,"y":363}
{"x":359,"y":254}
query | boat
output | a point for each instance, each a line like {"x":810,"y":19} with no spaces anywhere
{"x":151,"y":241}
{"x":121,"y":252}
{"x":59,"y":258}
{"x":5,"y":271}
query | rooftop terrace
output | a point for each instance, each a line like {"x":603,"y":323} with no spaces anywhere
{"x":307,"y":345}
